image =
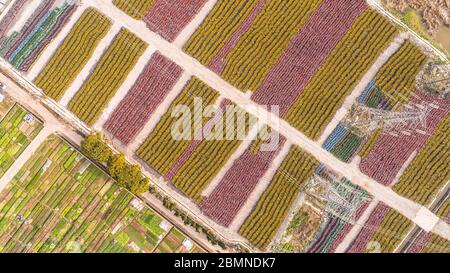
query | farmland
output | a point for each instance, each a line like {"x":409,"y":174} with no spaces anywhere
{"x":69,"y":59}
{"x":22,"y":48}
{"x":141,"y":77}
{"x":17,"y":129}
{"x":60,"y":202}
{"x":386,"y":229}
{"x":157,"y":79}
{"x":163,"y":17}
{"x":160,"y":150}
{"x":107,"y":77}
{"x":270,"y":211}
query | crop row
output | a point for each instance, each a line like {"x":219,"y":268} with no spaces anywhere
{"x":108,"y":76}
{"x":307,"y":51}
{"x":351,"y":58}
{"x":23,"y":50}
{"x":161,"y":150}
{"x":274,"y":204}
{"x":168,"y":18}
{"x":17,"y":129}
{"x":397,"y":78}
{"x":224,"y":19}
{"x":196,"y":168}
{"x":28,"y":27}
{"x":342,"y":143}
{"x":73,"y":54}
{"x":134,"y":8}
{"x":150,"y":89}
{"x":239,"y":181}
{"x":10,"y":18}
{"x":259,"y":49}
{"x":393,"y":86}
{"x":390,"y":152}
{"x":428,"y":172}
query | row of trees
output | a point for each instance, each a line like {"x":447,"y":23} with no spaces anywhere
{"x":127,"y":175}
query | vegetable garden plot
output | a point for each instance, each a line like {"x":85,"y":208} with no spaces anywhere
{"x":22,"y":48}
{"x":167,"y":18}
{"x":223,"y":204}
{"x":160,"y":150}
{"x":342,"y":143}
{"x":107,"y":77}
{"x":273,"y":206}
{"x":60,"y":202}
{"x":175,"y":241}
{"x":76,"y":50}
{"x":342,"y":70}
{"x":150,"y":89}
{"x":382,"y":232}
{"x":17,"y":129}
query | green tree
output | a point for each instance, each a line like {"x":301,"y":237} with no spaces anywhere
{"x":96,"y":148}
{"x":141,"y":186}
{"x":116,"y":165}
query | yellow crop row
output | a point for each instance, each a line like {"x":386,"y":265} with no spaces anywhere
{"x":397,"y":78}
{"x":341,"y":72}
{"x":74,"y":53}
{"x":108,"y":76}
{"x":428,"y":172}
{"x":437,"y":244}
{"x":210,"y":156}
{"x":274,"y":204}
{"x":224,"y":19}
{"x":259,"y":49}
{"x":392,"y":231}
{"x":160,"y":150}
{"x":136,"y":9}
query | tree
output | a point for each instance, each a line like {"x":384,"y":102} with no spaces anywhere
{"x":141,"y":186}
{"x":116,"y":165}
{"x":96,"y":148}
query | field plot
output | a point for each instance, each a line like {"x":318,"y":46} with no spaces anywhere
{"x":152,"y":86}
{"x":167,"y":18}
{"x":273,"y":206}
{"x":339,"y":216}
{"x":10,"y":18}
{"x":382,"y":232}
{"x":107,"y":77}
{"x":175,"y":241}
{"x":239,"y":182}
{"x":17,"y":129}
{"x":429,"y":171}
{"x":73,"y":54}
{"x":22,"y":48}
{"x":60,"y":202}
